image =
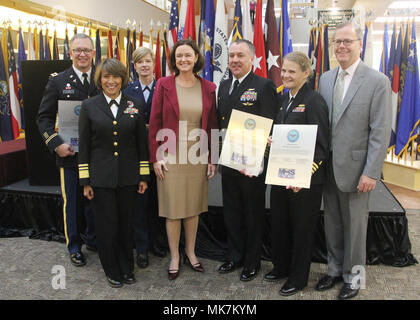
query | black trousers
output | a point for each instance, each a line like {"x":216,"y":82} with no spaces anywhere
{"x":149,"y":228}
{"x":294,"y":218}
{"x":113,"y":211}
{"x":243,"y":211}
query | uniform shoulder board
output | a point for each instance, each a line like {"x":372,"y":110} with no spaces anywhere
{"x":52,"y":75}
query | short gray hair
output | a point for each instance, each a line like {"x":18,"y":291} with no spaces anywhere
{"x":81,"y":36}
{"x":356,"y":27}
{"x":249,"y":43}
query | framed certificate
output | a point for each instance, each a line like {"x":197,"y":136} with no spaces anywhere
{"x":291,"y":155}
{"x":245,"y":141}
{"x":68,"y":122}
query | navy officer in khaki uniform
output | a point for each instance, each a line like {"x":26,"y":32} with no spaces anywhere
{"x":244,"y":196}
{"x":76,"y":83}
{"x":113,"y":164}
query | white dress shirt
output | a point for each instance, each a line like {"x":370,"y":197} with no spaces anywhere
{"x":80,"y":74}
{"x":349,"y":76}
{"x":114,"y":108}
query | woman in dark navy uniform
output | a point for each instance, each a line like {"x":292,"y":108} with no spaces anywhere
{"x":112,"y":165}
{"x":295,"y":211}
{"x":148,"y":228}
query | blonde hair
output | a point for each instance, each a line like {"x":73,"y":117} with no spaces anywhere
{"x":302,"y":60}
{"x":140,"y":53}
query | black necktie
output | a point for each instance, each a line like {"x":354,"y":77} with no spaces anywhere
{"x":85,"y":80}
{"x":290,"y":103}
{"x":146,"y":88}
{"x":235,"y":85}
{"x":113,"y":102}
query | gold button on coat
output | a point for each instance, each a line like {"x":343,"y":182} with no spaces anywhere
{"x":116,"y":154}
{"x":114,"y":123}
{"x":115,"y":143}
{"x":115,"y":133}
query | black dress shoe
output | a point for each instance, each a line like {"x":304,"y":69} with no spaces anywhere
{"x":288,"y":289}
{"x":228,"y":267}
{"x":129,"y":278}
{"x":327,"y":282}
{"x":92,"y":248}
{"x":196,"y":267}
{"x":173,"y":274}
{"x":114,"y":283}
{"x":78,"y":259}
{"x":142,"y":260}
{"x":273,"y":277}
{"x":158,"y":251}
{"x":248,"y":274}
{"x":347,"y":292}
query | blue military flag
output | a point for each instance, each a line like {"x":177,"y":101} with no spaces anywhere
{"x":66,"y":53}
{"x":392,"y":53}
{"x":6,"y":131}
{"x":237,"y":24}
{"x":98,"y":47}
{"x":41,"y":46}
{"x":21,"y":57}
{"x":325,"y":52}
{"x":383,"y":66}
{"x":364,"y":42}
{"x":285,"y":34}
{"x":208,"y":41}
{"x":47,"y":51}
{"x":409,"y":116}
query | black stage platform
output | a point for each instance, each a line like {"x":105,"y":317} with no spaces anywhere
{"x":36,"y":212}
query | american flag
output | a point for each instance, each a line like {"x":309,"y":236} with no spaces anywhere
{"x":13,"y":88}
{"x":173,"y":24}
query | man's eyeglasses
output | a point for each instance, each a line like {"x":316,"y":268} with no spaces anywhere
{"x":78,"y":51}
{"x":346,"y":42}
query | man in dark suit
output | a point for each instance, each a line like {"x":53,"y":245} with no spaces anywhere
{"x":75,"y":83}
{"x":358,"y":100}
{"x":243,"y":195}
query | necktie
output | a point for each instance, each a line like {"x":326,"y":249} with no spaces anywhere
{"x":114,"y":107}
{"x":85,"y":80}
{"x":235,"y":85}
{"x":113,"y":102}
{"x":290,"y":103}
{"x":338,"y":97}
{"x":146,"y":93}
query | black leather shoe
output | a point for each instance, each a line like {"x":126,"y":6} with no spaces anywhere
{"x":196,"y":267}
{"x":347,"y":292}
{"x":248,"y":275}
{"x":78,"y":259}
{"x":327,"y":282}
{"x":142,"y":260}
{"x":158,"y":251}
{"x":288,"y":289}
{"x":272,"y":277}
{"x":92,"y":248}
{"x":228,"y":267}
{"x":129,"y":278}
{"x":114,"y":283}
{"x":173,"y":274}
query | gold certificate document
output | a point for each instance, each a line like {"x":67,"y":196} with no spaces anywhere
{"x":245,"y":141}
{"x":68,"y":122}
{"x":291,"y":155}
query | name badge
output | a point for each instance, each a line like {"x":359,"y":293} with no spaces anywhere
{"x":68,"y":91}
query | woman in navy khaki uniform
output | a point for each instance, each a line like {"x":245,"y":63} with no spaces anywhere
{"x":148,"y":227}
{"x":295,"y":211}
{"x":112,"y":166}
